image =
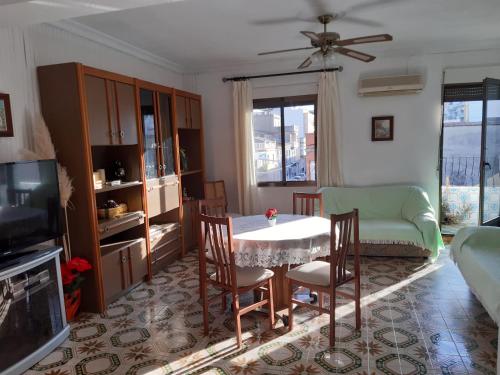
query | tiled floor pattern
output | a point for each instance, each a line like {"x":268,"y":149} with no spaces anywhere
{"x":417,"y":319}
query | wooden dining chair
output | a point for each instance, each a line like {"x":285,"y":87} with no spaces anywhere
{"x":215,"y":190}
{"x":326,"y":277}
{"x":306,"y":203}
{"x":216,"y":235}
{"x":212,"y":207}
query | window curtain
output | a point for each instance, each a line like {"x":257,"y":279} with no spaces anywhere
{"x":329,"y":172}
{"x":245,"y":169}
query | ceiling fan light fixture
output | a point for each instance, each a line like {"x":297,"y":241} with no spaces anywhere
{"x":323,"y":58}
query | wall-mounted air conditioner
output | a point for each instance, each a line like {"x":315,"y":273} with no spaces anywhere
{"x":391,"y":85}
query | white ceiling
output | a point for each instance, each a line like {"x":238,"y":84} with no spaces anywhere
{"x":203,"y":34}
{"x":27,"y":12}
{"x":206,"y":34}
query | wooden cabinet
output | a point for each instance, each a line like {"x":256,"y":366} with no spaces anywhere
{"x":188,"y":112}
{"x":123,"y":264}
{"x":158,"y":135}
{"x":111,"y":112}
{"x":97,"y":111}
{"x":163,"y":195}
{"x":181,"y":114}
{"x":126,"y":116}
{"x":195,"y":113}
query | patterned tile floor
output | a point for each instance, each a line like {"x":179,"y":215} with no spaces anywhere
{"x":417,"y":319}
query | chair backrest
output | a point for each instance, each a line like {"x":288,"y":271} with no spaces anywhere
{"x":346,"y":224}
{"x":212,"y":207}
{"x":306,"y":203}
{"x":215,"y":190}
{"x":216,"y":235}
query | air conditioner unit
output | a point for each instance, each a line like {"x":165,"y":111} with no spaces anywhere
{"x":393,"y":85}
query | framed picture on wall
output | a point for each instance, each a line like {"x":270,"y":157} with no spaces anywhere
{"x":6,"y":129}
{"x":382,"y":128}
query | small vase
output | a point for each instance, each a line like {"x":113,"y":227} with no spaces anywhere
{"x":72,"y":303}
{"x":272,"y":221}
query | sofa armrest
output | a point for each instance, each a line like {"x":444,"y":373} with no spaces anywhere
{"x":428,"y":226}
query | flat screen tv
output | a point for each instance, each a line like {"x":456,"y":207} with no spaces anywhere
{"x":30,"y":211}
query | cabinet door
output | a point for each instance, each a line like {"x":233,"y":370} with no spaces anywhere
{"x":150,"y":138}
{"x":195,"y":113}
{"x":115,"y":274}
{"x":127,"y":123}
{"x":167,"y":138}
{"x":97,"y":111}
{"x":181,"y":112}
{"x":138,"y":257}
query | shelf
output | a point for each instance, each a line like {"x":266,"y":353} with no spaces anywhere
{"x":117,"y":187}
{"x":194,"y":171}
{"x":110,"y":227}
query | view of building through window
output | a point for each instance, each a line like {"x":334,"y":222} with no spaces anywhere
{"x":284,"y":143}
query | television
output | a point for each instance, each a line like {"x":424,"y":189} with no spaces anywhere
{"x":30,"y":211}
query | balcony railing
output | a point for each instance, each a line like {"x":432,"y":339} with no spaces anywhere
{"x":461,"y":170}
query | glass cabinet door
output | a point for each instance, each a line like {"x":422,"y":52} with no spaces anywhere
{"x":151,"y":157}
{"x":167,"y":139}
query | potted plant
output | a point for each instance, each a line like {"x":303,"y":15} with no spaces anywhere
{"x":72,"y":279}
{"x":271,"y":215}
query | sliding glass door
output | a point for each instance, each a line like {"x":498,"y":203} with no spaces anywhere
{"x":490,"y":156}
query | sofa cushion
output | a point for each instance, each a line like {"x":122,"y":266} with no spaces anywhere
{"x":386,"y":230}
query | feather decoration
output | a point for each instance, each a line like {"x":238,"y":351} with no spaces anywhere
{"x":44,"y":149}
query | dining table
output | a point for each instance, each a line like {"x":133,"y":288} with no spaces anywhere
{"x":293,"y":240}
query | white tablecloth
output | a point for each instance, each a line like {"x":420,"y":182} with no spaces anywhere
{"x":295,"y":239}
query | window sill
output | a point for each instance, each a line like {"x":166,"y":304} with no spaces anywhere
{"x":286,"y":184}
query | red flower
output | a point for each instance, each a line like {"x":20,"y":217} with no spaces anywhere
{"x":67,"y":276}
{"x":79,"y":265}
{"x":271,"y":213}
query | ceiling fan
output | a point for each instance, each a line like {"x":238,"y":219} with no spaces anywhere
{"x":329,"y":43}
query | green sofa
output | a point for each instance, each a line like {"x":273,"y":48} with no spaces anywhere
{"x":476,"y":252}
{"x":394,"y":220}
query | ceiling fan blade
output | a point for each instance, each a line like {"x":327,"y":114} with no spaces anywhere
{"x":355,"y":54}
{"x":305,"y":63}
{"x":284,"y":50}
{"x":371,"y":4}
{"x":358,"y":21}
{"x":311,"y":35}
{"x":365,"y":39}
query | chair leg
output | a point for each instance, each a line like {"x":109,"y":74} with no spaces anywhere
{"x":320,"y":301}
{"x":290,"y":305}
{"x":204,"y":298}
{"x":271,"y":303}
{"x":333,"y":301}
{"x":357,"y":301}
{"x":237,"y":318}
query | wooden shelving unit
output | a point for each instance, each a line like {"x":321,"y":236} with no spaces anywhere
{"x":98,"y":118}
{"x":189,"y":123}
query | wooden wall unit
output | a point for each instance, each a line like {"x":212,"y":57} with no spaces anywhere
{"x":189,"y":123}
{"x":97,"y":117}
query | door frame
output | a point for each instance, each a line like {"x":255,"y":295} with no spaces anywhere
{"x":484,"y":125}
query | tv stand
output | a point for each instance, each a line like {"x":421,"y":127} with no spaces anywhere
{"x":32,"y":315}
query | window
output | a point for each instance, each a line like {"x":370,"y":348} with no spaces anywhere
{"x":285,"y":140}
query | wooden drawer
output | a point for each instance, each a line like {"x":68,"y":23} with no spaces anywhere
{"x":165,"y":255}
{"x":163,"y":195}
{"x":160,"y":234}
{"x":110,"y":227}
{"x":123,"y":265}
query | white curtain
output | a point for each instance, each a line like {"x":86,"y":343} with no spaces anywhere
{"x":243,"y":132}
{"x":329,"y":171}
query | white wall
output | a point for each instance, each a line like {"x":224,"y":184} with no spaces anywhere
{"x":23,"y":49}
{"x":412,"y":158}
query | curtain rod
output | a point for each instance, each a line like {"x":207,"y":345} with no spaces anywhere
{"x":243,"y":78}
